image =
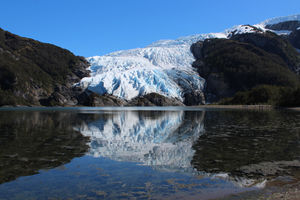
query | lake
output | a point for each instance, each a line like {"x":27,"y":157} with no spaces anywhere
{"x":145,"y":153}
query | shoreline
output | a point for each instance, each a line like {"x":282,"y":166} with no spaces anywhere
{"x":151,"y":108}
{"x":196,"y":106}
{"x":155,"y":108}
{"x":256,"y":107}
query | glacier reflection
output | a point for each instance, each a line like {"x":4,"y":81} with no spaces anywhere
{"x":163,"y":140}
{"x":159,"y":139}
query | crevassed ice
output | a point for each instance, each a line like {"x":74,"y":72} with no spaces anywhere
{"x":164,"y":67}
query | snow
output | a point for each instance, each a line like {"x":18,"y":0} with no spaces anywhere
{"x":284,"y":32}
{"x":243,"y":29}
{"x":277,"y":20}
{"x":163,"y":67}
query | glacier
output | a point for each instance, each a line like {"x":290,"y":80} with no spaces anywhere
{"x":163,"y":67}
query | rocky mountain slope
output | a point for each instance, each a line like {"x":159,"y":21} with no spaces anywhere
{"x":35,"y":73}
{"x":244,"y":61}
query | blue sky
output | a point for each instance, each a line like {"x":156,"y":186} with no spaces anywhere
{"x":97,"y":27}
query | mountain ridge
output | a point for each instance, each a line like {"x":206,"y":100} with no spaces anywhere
{"x":166,"y":72}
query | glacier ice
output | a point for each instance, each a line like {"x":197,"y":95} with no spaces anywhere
{"x":163,"y":67}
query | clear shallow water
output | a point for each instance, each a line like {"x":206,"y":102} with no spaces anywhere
{"x":144,"y":154}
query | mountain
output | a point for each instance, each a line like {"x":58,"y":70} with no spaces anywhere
{"x":245,"y":61}
{"x":35,"y":73}
{"x":190,"y":70}
{"x":41,"y":74}
{"x":239,"y":59}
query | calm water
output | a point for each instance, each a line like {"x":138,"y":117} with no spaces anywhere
{"x":145,"y":154}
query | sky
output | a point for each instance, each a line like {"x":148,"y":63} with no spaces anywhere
{"x":97,"y":27}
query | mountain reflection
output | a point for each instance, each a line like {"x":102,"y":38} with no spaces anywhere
{"x":155,"y":138}
{"x":31,"y":141}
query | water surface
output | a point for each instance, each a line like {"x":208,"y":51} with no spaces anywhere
{"x":169,"y":153}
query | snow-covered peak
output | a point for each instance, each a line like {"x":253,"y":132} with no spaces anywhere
{"x":187,"y":40}
{"x":244,"y":29}
{"x":277,"y":20}
{"x":269,"y":22}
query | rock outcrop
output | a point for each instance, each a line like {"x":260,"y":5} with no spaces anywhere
{"x":89,"y":98}
{"x":154,"y":99}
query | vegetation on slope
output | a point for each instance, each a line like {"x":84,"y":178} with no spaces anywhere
{"x":266,"y":94}
{"x":246,"y":61}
